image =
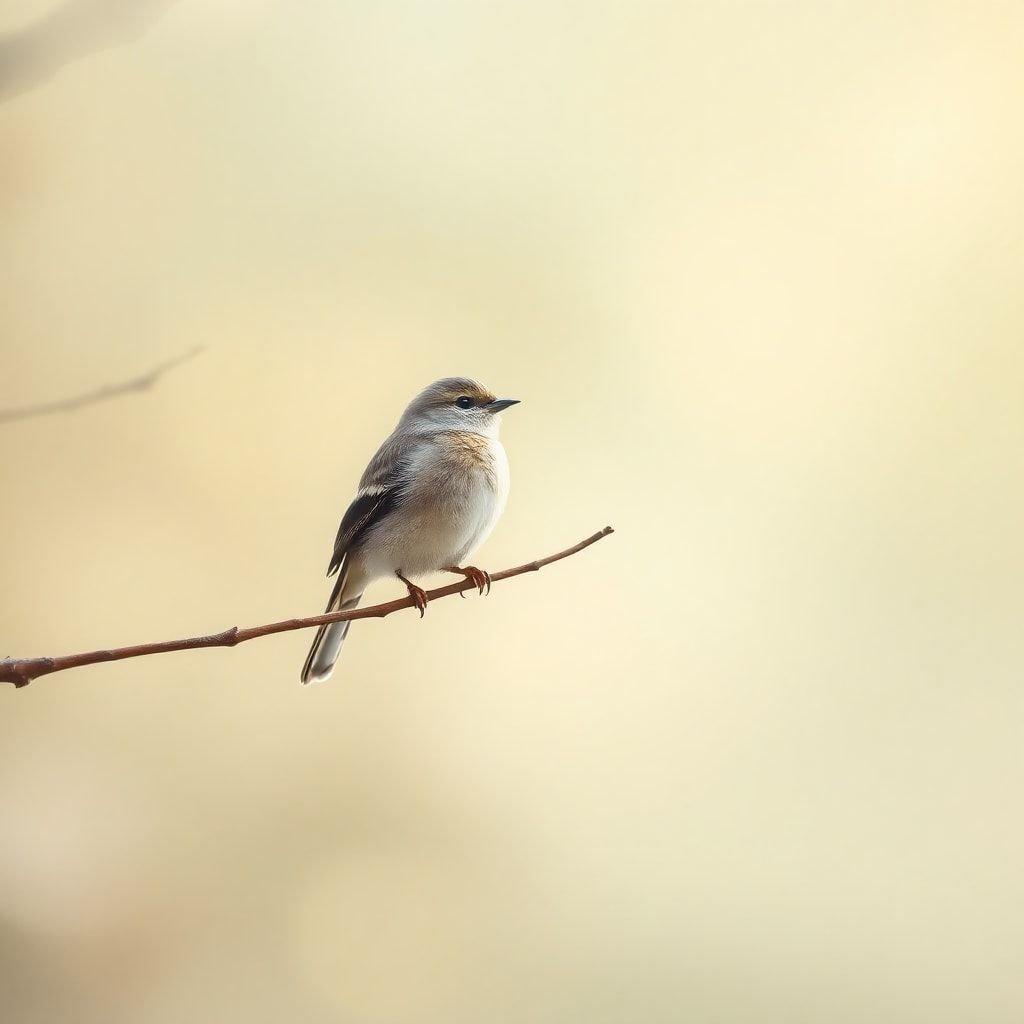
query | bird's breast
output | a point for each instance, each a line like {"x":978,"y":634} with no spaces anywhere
{"x":466,"y":480}
{"x":457,"y":490}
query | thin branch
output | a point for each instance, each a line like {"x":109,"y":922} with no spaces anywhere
{"x":33,"y":55}
{"x":101,"y":394}
{"x":21,"y":672}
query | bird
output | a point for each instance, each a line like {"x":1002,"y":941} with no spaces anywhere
{"x":430,"y":497}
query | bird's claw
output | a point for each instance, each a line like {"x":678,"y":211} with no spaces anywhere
{"x":480,"y":578}
{"x":418,"y":595}
{"x":419,"y":598}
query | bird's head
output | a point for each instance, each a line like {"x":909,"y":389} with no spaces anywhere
{"x":457,"y":403}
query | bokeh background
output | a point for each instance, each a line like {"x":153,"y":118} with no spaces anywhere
{"x":755,"y":270}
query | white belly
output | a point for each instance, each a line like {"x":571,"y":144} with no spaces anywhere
{"x":446,"y":515}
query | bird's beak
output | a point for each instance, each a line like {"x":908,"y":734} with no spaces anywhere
{"x":500,"y":403}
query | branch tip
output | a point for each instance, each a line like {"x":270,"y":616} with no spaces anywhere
{"x":144,"y":382}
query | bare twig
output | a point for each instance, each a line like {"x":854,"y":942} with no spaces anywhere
{"x":21,"y":672}
{"x":33,"y":55}
{"x":101,"y":394}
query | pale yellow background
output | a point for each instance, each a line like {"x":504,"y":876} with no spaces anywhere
{"x":756,"y":272}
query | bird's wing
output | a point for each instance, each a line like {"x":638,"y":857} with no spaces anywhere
{"x":379,"y":491}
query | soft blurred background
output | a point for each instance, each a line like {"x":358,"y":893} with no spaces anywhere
{"x":755,"y":270}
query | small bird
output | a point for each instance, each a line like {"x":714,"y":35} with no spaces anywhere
{"x":429,"y":497}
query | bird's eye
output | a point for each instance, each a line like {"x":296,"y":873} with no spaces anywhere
{"x":465,"y":402}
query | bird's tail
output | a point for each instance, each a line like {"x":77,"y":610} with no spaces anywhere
{"x":328,"y":640}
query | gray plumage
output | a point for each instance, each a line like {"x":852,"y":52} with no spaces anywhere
{"x":429,"y":497}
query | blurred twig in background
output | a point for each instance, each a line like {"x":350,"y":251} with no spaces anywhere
{"x":33,"y":55}
{"x":100,"y":394}
{"x":22,"y":671}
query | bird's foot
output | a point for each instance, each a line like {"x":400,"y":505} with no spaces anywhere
{"x":480,"y":578}
{"x":418,"y":594}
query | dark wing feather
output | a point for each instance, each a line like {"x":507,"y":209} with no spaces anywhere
{"x":364,"y":511}
{"x":380,"y":489}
